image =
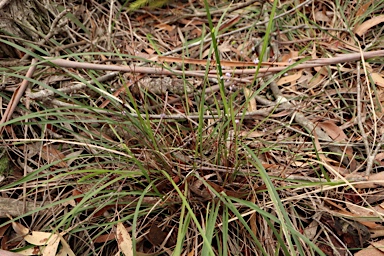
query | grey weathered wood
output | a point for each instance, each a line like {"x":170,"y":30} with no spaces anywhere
{"x":21,"y":21}
{"x":15,"y":207}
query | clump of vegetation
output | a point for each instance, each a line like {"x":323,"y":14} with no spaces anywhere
{"x":242,"y":129}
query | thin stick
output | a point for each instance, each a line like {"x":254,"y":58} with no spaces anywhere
{"x":161,"y":71}
{"x":17,"y":96}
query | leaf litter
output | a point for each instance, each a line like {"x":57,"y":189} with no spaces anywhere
{"x":131,"y":95}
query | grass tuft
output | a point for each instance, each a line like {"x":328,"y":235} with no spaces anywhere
{"x":196,"y":128}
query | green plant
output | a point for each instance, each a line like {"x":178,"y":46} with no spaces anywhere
{"x":150,"y":3}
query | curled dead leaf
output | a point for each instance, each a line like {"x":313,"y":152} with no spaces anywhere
{"x":291,"y":78}
{"x":20,"y":229}
{"x":378,"y":79}
{"x":365,"y":26}
{"x":124,"y":240}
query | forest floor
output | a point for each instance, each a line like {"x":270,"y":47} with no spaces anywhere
{"x":197,"y":128}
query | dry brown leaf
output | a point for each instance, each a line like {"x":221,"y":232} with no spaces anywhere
{"x":328,"y":162}
{"x":149,"y":51}
{"x":195,"y":22}
{"x":316,"y":80}
{"x":66,"y":248}
{"x":105,"y":238}
{"x":379,"y":157}
{"x":362,"y":211}
{"x":311,"y":231}
{"x":365,"y":26}
{"x":299,"y":164}
{"x":380,"y":104}
{"x":322,"y":70}
{"x":304,"y":79}
{"x":379,"y":245}
{"x":123,"y":240}
{"x":253,"y":134}
{"x":291,"y":78}
{"x":363,"y":8}
{"x":253,"y":219}
{"x":378,"y":79}
{"x":20,"y":229}
{"x":337,"y":134}
{"x":314,"y":51}
{"x":334,"y":44}
{"x":52,"y":245}
{"x":165,"y":27}
{"x":379,"y":208}
{"x":156,"y":236}
{"x":252,"y":106}
{"x":375,"y":233}
{"x":230,"y":22}
{"x":292,"y":55}
{"x":38,"y":238}
{"x":377,"y":178}
{"x":51,"y":154}
{"x":225,"y":47}
{"x":320,"y":16}
{"x":73,"y":156}
{"x":332,"y":168}
{"x":334,"y":131}
{"x":62,"y":252}
{"x":368,"y":224}
{"x":4,"y":236}
{"x":6,"y":253}
{"x":374,"y":181}
{"x":369,"y":251}
{"x":29,"y":251}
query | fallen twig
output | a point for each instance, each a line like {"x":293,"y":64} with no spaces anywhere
{"x":162,"y":71}
{"x":17,"y":96}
